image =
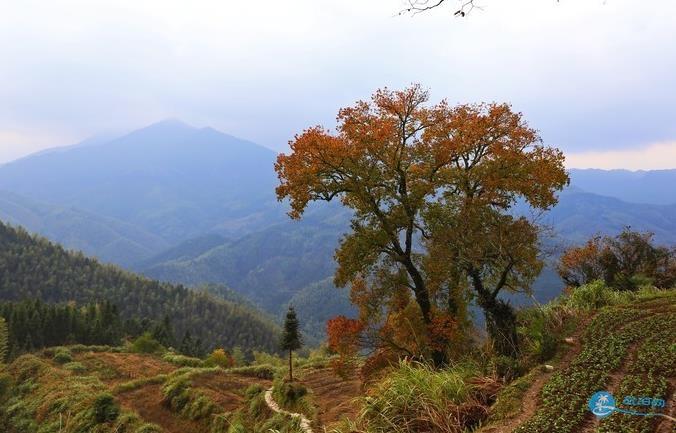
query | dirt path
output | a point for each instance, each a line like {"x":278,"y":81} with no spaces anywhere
{"x":272,"y":404}
{"x":530,"y":397}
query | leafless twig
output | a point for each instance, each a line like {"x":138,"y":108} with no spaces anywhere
{"x":417,"y":6}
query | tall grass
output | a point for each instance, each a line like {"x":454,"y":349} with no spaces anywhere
{"x":416,"y":398}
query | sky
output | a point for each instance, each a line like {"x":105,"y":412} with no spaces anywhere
{"x":595,"y":77}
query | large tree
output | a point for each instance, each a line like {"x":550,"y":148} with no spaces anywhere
{"x":400,"y":164}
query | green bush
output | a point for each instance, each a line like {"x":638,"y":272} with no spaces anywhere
{"x":176,"y":392}
{"x":62,"y":355}
{"x":105,"y":408}
{"x":507,"y":367}
{"x":289,"y":393}
{"x":259,"y":371}
{"x":538,"y":334}
{"x":182,"y":360}
{"x":75,"y":367}
{"x":146,"y":344}
{"x":591,"y":296}
{"x":138,"y":383}
{"x":148,"y":428}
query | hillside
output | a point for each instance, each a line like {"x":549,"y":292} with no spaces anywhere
{"x":269,"y":266}
{"x":625,"y":346}
{"x":108,"y":239}
{"x":32,"y":267}
{"x":628,"y":349}
{"x":273,"y":265}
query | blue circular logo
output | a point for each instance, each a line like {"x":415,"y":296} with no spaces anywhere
{"x":602,"y":404}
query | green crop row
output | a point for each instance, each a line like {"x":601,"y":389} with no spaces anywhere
{"x":563,"y":400}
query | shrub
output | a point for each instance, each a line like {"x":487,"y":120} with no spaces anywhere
{"x":266,"y":358}
{"x":105,"y":408}
{"x":148,"y":428}
{"x":258,"y":371}
{"x":507,"y":367}
{"x":591,"y":296}
{"x":220,"y":358}
{"x":146,"y":344}
{"x":182,"y":360}
{"x":62,"y":355}
{"x":138,"y":383}
{"x":176,"y":392}
{"x":75,"y":367}
{"x":289,"y":393}
{"x":539,"y":334}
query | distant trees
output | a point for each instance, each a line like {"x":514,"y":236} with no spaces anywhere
{"x":33,"y":268}
{"x":291,"y":338}
{"x":624,"y":262}
{"x":34,"y":325}
{"x":430,"y":187}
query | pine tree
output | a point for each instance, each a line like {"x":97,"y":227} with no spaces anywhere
{"x":4,"y":339}
{"x":291,"y":339}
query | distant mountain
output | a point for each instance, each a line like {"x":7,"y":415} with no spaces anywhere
{"x":580,"y":215}
{"x":33,"y":268}
{"x":109,"y":239}
{"x":170,"y":179}
{"x":651,"y":186}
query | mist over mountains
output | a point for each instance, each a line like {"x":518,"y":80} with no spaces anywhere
{"x":194,"y":205}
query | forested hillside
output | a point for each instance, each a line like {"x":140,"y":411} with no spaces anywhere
{"x":33,"y":268}
{"x":269,"y":266}
{"x":109,"y":239}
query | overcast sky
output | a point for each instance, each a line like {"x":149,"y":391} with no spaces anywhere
{"x":597,"y":78}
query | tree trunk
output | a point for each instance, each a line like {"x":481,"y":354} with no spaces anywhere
{"x":290,"y":367}
{"x":500,"y":318}
{"x":501,"y":326}
{"x":423,"y":300}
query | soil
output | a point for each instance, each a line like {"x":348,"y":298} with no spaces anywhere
{"x":147,"y":402}
{"x":333,"y":395}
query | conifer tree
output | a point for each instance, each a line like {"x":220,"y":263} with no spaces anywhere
{"x":4,"y":340}
{"x":291,"y":339}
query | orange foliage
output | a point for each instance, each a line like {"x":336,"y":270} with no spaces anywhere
{"x":396,"y":162}
{"x":343,"y":335}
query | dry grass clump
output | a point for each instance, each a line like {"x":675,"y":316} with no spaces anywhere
{"x":416,"y":398}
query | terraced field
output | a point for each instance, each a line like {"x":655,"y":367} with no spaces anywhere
{"x":333,"y":396}
{"x":629,"y":350}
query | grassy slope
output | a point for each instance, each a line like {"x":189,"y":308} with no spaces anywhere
{"x":627,"y":349}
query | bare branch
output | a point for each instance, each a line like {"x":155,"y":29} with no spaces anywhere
{"x":417,"y":6}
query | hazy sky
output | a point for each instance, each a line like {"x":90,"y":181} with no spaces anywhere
{"x":596,"y":77}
